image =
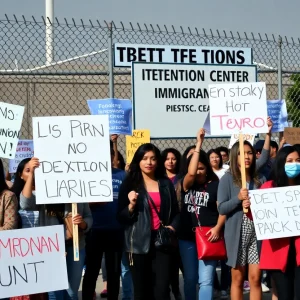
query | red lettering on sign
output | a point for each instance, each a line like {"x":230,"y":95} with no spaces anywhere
{"x":239,"y":123}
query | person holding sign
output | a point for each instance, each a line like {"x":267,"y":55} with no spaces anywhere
{"x":240,"y":237}
{"x":198,"y":200}
{"x":56,"y":214}
{"x":282,"y":255}
{"x":147,"y":205}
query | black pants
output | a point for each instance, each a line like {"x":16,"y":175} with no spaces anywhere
{"x":99,"y":242}
{"x":176,"y":264}
{"x":288,"y":283}
{"x":151,"y":275}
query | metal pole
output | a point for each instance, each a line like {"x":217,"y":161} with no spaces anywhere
{"x":110,"y":61}
{"x":279,"y":75}
{"x":49,"y":4}
{"x":279,"y":62}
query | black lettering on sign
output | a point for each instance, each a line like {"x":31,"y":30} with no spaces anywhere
{"x":178,"y":93}
{"x":7,"y":113}
{"x":223,"y":56}
{"x":77,"y":148}
{"x":52,"y":130}
{"x":81,"y":188}
{"x":85,"y":129}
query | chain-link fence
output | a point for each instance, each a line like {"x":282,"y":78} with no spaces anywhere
{"x":58,"y":81}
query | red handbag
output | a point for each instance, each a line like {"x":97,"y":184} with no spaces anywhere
{"x":215,"y":250}
{"x":207,"y":250}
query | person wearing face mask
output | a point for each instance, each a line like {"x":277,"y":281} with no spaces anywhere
{"x":282,"y":256}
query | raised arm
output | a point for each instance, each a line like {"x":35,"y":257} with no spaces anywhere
{"x":190,"y":177}
{"x":114,"y":139}
{"x":265,"y":153}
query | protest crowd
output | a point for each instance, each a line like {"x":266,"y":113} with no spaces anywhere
{"x":170,"y":213}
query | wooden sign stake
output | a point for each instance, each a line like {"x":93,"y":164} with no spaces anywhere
{"x":243,"y":167}
{"x":75,"y":234}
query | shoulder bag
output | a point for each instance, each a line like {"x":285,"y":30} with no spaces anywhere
{"x":165,"y":238}
{"x":207,"y":250}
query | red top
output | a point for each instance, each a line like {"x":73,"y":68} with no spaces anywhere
{"x":155,"y":222}
{"x":274,"y":253}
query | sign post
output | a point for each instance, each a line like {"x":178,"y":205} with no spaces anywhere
{"x":242,"y":166}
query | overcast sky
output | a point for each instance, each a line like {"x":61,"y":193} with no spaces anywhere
{"x":263,"y":16}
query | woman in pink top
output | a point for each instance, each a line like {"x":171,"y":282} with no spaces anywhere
{"x":145,"y":186}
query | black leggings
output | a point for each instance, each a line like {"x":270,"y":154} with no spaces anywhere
{"x":151,"y":275}
{"x":288,"y":283}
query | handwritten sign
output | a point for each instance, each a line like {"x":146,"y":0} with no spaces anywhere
{"x":119,"y":112}
{"x":24,"y":150}
{"x":75,"y":160}
{"x":11,"y":120}
{"x":278,"y":113}
{"x":276,"y":212}
{"x":292,"y":135}
{"x":29,"y":257}
{"x":239,"y":107}
{"x":235,"y":137}
{"x":138,"y":138}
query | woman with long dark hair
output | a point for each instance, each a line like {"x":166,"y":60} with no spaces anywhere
{"x":54,"y":214}
{"x":147,"y":199}
{"x":240,"y":237}
{"x":29,"y":219}
{"x":281,"y":256}
{"x":171,"y":159}
{"x":198,"y":200}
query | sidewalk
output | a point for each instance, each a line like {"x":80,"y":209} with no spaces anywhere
{"x":99,"y":288}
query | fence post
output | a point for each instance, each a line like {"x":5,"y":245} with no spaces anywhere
{"x":110,"y":61}
{"x":279,"y":67}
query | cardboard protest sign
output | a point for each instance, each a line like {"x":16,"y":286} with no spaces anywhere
{"x":278,"y":113}
{"x":235,"y":138}
{"x":32,"y":261}
{"x":74,"y":154}
{"x":276,"y":212}
{"x":138,"y":138}
{"x":11,"y":117}
{"x":125,"y":54}
{"x":234,"y":108}
{"x":292,"y":135}
{"x":24,"y":150}
{"x":173,"y":93}
{"x":119,"y":112}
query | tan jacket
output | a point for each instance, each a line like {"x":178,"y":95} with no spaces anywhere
{"x":8,"y":211}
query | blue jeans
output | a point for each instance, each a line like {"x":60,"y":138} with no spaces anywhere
{"x":126,"y":278}
{"x":74,"y":276}
{"x":196,"y":271}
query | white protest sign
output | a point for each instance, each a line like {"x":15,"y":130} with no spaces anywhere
{"x":240,"y":107}
{"x":32,"y":261}
{"x":125,"y":54}
{"x":276,"y":212}
{"x":24,"y":150}
{"x":74,"y":154}
{"x":235,"y":138}
{"x":173,"y":94}
{"x":11,"y":117}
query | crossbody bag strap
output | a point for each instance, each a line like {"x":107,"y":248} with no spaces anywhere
{"x":154,"y":206}
{"x":195,"y":208}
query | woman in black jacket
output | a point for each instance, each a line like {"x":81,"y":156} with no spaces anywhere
{"x":146,"y":183}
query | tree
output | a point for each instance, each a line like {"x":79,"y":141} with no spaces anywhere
{"x":293,"y":100}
